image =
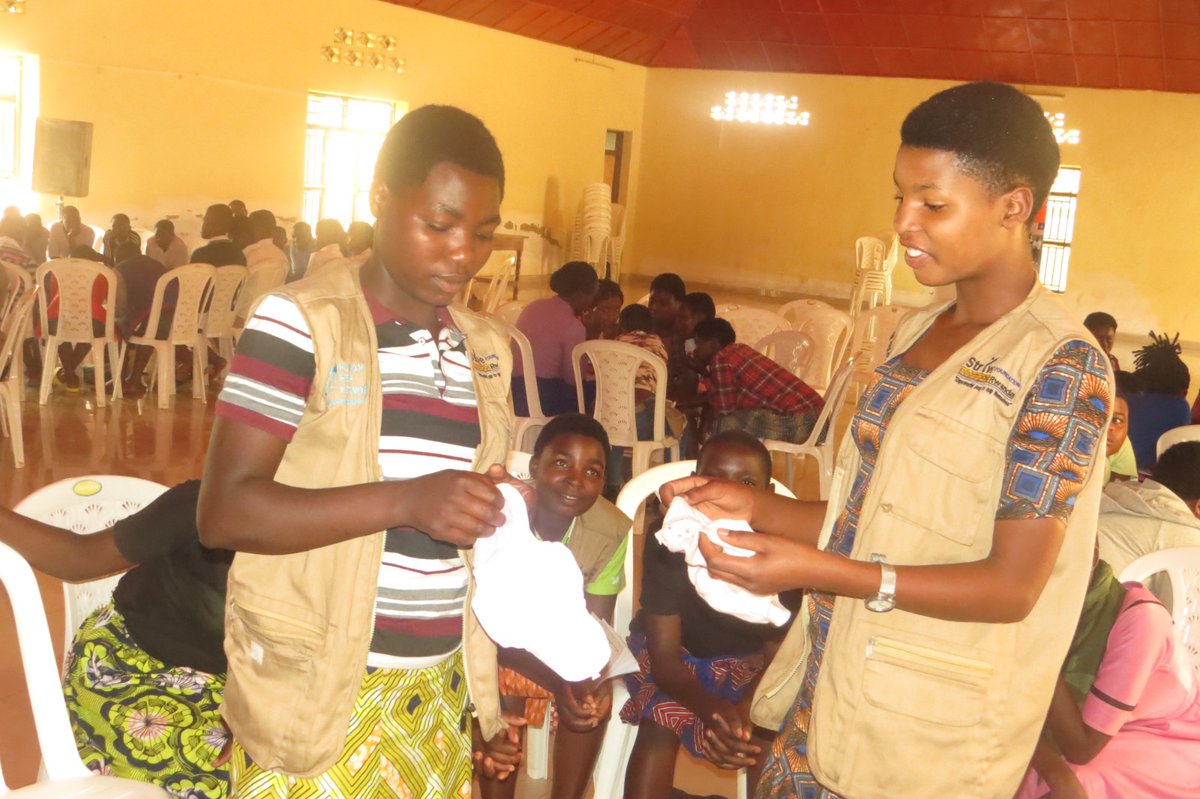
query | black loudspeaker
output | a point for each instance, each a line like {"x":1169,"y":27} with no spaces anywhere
{"x":62,"y":157}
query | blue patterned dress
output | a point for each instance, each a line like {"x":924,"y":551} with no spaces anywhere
{"x":1049,"y":451}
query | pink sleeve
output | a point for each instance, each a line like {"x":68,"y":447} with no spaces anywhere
{"x":1137,"y":644}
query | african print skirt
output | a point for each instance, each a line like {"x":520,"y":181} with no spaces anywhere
{"x":725,"y":677}
{"x":408,"y":739}
{"x":138,"y":718}
{"x":537,"y":699}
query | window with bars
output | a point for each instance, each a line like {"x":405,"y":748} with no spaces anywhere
{"x":342,"y":141}
{"x":1058,"y":229}
{"x":10,"y":116}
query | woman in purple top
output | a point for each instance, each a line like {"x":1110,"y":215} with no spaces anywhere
{"x":553,"y":328}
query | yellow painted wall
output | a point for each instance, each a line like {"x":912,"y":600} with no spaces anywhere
{"x":779,"y":208}
{"x":195,"y":103}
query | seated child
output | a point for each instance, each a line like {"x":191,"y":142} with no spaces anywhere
{"x":697,"y":306}
{"x":145,"y":674}
{"x":1120,"y":462}
{"x":568,"y":475}
{"x":749,"y":391}
{"x":1124,"y":720}
{"x":667,"y":296}
{"x":1104,"y":327}
{"x":601,"y":320}
{"x":698,"y":666}
{"x":1158,"y":401}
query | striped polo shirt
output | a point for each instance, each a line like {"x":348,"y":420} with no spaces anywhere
{"x":430,"y":423}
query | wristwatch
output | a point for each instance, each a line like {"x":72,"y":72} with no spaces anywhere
{"x":885,"y":600}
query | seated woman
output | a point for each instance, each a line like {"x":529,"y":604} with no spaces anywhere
{"x":146,"y":672}
{"x":553,"y":328}
{"x":568,"y":475}
{"x":1158,"y":397}
{"x":1125,"y":718}
{"x":699,"y":667}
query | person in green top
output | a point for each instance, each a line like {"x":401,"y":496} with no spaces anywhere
{"x":568,"y":476}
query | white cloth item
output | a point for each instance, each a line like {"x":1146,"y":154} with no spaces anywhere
{"x":529,"y":595}
{"x":681,"y":532}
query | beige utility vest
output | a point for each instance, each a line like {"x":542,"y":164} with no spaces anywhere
{"x":298,"y":627}
{"x":908,"y":706}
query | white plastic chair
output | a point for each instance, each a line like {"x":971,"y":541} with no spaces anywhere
{"x":221,"y":322}
{"x":17,"y":282}
{"x":608,"y":777}
{"x":830,"y":330}
{"x":187,"y":329}
{"x":75,"y":278}
{"x":795,"y":310}
{"x":65,"y":775}
{"x":752,"y":324}
{"x":537,"y":418}
{"x":788,"y":348}
{"x":873,"y":332}
{"x":88,"y":505}
{"x":510,"y":311}
{"x":1177,"y":435}
{"x":821,"y":443}
{"x":615,"y":364}
{"x":872,"y":276}
{"x":499,"y":285}
{"x":11,"y":382}
{"x":1182,"y":568}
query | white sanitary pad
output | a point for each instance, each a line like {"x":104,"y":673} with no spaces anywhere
{"x":529,"y":595}
{"x":681,"y":532}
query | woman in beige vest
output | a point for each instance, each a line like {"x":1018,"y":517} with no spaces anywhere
{"x":946,"y":569}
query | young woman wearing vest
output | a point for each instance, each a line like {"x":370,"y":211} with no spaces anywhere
{"x":946,"y":571}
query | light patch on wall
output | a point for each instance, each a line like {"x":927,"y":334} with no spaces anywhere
{"x":761,"y":109}
{"x":13,"y":6}
{"x":1062,"y":134}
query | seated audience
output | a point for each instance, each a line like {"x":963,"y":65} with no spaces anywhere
{"x":70,"y":356}
{"x":1120,"y":463}
{"x":600,"y":321}
{"x":1124,"y":721}
{"x":635,"y":323}
{"x":280,"y":238}
{"x":1157,"y":398}
{"x":241,"y":232}
{"x":263,"y":248}
{"x":68,"y":233}
{"x":697,"y":306}
{"x":37,"y":238}
{"x":238,"y":209}
{"x":1161,"y":513}
{"x":359,"y":239}
{"x":165,"y":247}
{"x":145,"y":674}
{"x":139,"y":275}
{"x":220,"y":249}
{"x":12,"y":250}
{"x":330,"y":245}
{"x":748,"y":391}
{"x":699,"y":667}
{"x":568,"y":475}
{"x":303,"y":245}
{"x":667,"y":295}
{"x":1104,"y":327}
{"x":120,"y":232}
{"x":553,"y":328}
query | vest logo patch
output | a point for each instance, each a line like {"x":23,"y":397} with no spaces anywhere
{"x":989,"y":378}
{"x":346,"y":384}
{"x":486,"y":366}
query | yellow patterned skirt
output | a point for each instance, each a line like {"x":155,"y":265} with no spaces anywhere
{"x":408,"y":738}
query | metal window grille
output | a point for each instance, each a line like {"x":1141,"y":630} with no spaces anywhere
{"x":1061,"y":207}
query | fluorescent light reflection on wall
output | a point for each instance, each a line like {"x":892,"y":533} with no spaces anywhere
{"x":761,"y":109}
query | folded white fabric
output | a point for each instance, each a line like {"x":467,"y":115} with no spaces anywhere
{"x":529,"y":595}
{"x":681,"y":532}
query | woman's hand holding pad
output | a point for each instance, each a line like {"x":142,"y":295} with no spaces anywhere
{"x":776,"y":563}
{"x":454,"y":506}
{"x":716,"y":499}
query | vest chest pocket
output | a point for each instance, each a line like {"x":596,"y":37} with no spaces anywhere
{"x":943,"y":480}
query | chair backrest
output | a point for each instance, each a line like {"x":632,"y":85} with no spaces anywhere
{"x":822,"y":431}
{"x":509,"y":312}
{"x":195,"y":287}
{"x":615,"y":364}
{"x":517,"y":464}
{"x":830,"y":331}
{"x":752,"y":324}
{"x":75,"y":278}
{"x":60,"y":758}
{"x":87,"y":505}
{"x":796,"y":309}
{"x":1182,"y":568}
{"x":873,"y":331}
{"x":789,"y":348}
{"x":16,"y":281}
{"x":260,"y":278}
{"x":499,"y":285}
{"x":227,"y":284}
{"x":1177,"y":435}
{"x":14,"y":322}
{"x":524,"y":351}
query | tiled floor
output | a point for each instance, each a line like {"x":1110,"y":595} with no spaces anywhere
{"x":70,"y":437}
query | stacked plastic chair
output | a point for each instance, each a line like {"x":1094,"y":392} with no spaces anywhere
{"x":593,"y":233}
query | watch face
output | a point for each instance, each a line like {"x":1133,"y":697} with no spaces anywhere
{"x":880,"y":603}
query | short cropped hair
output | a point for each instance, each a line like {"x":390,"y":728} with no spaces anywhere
{"x":718,"y":329}
{"x":262,"y":219}
{"x":435,"y":134}
{"x":608,"y":288}
{"x":1179,"y":470}
{"x":1098,"y":320}
{"x":742,"y":439}
{"x":669,"y":283}
{"x":1000,"y":135}
{"x":571,"y":424}
{"x":574,"y":277}
{"x":635,"y":318}
{"x":701,"y":302}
